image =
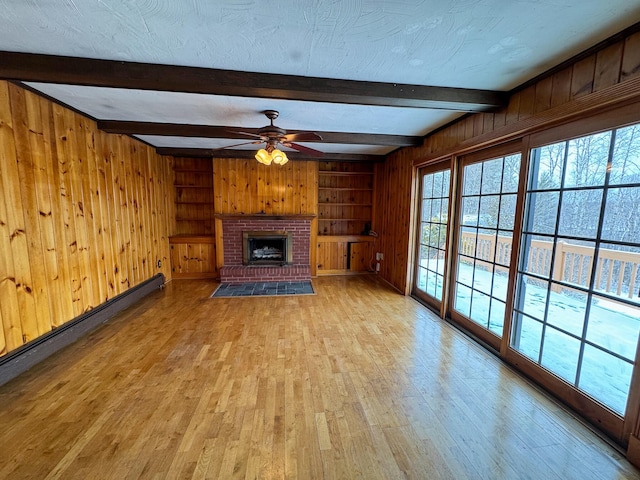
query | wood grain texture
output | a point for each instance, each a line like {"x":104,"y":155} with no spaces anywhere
{"x":393,"y":206}
{"x":84,"y":215}
{"x":345,"y":197}
{"x":194,"y":196}
{"x":244,"y":186}
{"x":345,"y":254}
{"x":631,"y":57}
{"x":353,"y":382}
{"x":193,"y":257}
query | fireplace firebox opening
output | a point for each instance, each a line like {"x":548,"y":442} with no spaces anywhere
{"x":267,"y":248}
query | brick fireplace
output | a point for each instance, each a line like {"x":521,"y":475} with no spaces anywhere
{"x":233,"y":228}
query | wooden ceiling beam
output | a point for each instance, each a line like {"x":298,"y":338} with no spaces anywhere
{"x":31,"y":67}
{"x":210,"y":131}
{"x":208,"y":152}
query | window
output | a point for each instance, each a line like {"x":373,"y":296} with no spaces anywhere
{"x":487,"y":212}
{"x":577,"y":309}
{"x":433,"y":233}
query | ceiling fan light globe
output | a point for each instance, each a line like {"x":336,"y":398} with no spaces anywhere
{"x":263,"y":156}
{"x":279,"y":157}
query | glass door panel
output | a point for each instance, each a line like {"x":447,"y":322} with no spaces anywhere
{"x":577,"y":308}
{"x":487,"y":210}
{"x":432,"y":235}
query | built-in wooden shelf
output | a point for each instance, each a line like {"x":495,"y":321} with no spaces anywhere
{"x":193,"y":196}
{"x":347,"y":190}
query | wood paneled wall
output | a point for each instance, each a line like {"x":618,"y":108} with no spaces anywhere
{"x":84,"y":215}
{"x":393,"y":217}
{"x":603,"y":78}
{"x":244,"y":186}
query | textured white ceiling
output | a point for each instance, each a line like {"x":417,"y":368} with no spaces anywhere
{"x":485,"y":44}
{"x":178,"y":107}
{"x":435,"y":42}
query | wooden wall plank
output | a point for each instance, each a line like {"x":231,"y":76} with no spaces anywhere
{"x":63,"y":304}
{"x":561,"y":87}
{"x":392,"y":222}
{"x":582,"y":77}
{"x":86,"y":157}
{"x":543,"y":90}
{"x":608,"y":65}
{"x":102,"y":164}
{"x":18,"y":230}
{"x":527,"y":102}
{"x":80,"y":212}
{"x":39,"y":126}
{"x":67,"y":219}
{"x":10,"y":287}
{"x":36,"y":199}
{"x":152,"y":223}
{"x":121,"y":268}
{"x":631,"y":58}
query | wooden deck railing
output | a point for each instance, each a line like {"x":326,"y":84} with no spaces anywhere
{"x":617,"y":272}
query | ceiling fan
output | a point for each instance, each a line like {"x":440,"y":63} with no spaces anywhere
{"x":273,"y":136}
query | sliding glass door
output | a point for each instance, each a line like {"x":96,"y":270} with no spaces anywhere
{"x":488,"y":196}
{"x":577,"y":307}
{"x":533,"y":246}
{"x":432,"y":235}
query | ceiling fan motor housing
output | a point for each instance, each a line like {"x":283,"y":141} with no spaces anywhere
{"x":272,"y":133}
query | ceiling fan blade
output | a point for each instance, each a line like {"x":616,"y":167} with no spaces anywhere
{"x":240,"y":144}
{"x":303,"y":137}
{"x":238,"y":132}
{"x":303,"y":149}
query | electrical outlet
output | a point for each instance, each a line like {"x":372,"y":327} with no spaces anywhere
{"x":377,"y":267}
{"x":159,"y":264}
{"x":379,"y":256}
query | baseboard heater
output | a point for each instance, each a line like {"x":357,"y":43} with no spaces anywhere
{"x":23,"y":358}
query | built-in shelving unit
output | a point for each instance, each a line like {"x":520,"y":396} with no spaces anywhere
{"x":345,"y":198}
{"x":193,"y":196}
{"x":193,"y":249}
{"x":345,"y":213}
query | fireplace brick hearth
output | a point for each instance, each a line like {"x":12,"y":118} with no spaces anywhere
{"x":234,"y":271}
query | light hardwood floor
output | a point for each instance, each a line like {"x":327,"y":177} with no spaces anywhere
{"x":354,"y":382}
